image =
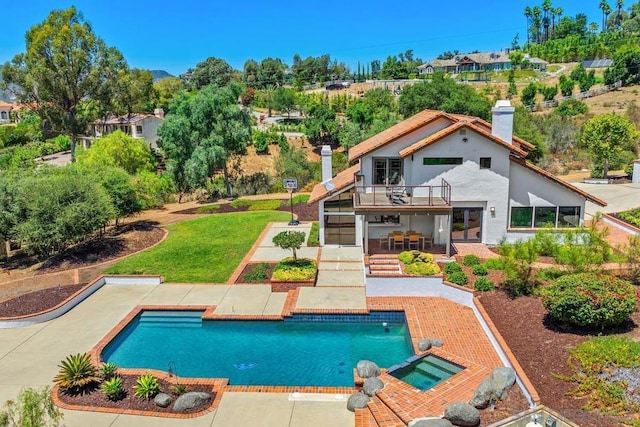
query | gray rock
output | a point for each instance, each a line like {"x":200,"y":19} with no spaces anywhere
{"x":357,"y":401}
{"x":162,"y":400}
{"x":430,"y":422}
{"x":371,"y":385}
{"x":367,"y":369}
{"x":424,"y":344}
{"x":502,"y":379}
{"x":483,"y":394}
{"x":435,"y":342}
{"x":190,"y":400}
{"x":462,"y":414}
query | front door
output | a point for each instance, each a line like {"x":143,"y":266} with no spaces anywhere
{"x":466,"y":225}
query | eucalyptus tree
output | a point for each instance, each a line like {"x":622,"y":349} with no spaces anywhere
{"x":65,"y":64}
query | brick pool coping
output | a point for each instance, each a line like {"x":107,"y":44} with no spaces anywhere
{"x":466,"y":344}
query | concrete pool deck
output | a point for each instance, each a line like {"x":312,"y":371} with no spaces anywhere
{"x":29,"y":356}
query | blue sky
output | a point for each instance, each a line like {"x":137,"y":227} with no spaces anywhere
{"x":174,"y":36}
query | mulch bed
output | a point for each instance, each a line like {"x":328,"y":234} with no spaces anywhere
{"x":115,"y":243}
{"x":542,"y":348}
{"x":95,"y":398}
{"x":249,"y":268}
{"x":35,"y":302}
{"x":514,"y":403}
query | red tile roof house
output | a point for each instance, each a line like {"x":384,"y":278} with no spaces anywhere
{"x":137,"y":125}
{"x":454,"y":177}
{"x":5,"y":112}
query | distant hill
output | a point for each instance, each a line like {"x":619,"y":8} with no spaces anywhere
{"x":159,"y":74}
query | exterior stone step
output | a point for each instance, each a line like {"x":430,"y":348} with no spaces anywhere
{"x":384,"y":416}
{"x":379,"y":267}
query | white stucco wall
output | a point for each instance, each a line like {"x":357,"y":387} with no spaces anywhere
{"x":150,"y":131}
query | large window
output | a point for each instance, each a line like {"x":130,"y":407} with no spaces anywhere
{"x":545,"y":216}
{"x":435,"y":161}
{"x":387,"y":171}
{"x":521,"y":217}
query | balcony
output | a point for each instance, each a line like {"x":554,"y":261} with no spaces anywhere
{"x":401,"y":198}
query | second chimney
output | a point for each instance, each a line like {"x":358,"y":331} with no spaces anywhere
{"x":502,"y":121}
{"x":325,"y":153}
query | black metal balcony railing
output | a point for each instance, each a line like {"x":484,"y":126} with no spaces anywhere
{"x":398,"y":196}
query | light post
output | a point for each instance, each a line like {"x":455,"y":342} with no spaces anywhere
{"x":291,"y":184}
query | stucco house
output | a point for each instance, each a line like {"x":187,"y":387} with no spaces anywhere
{"x":475,"y":62}
{"x":5,"y":112}
{"x":142,"y":126}
{"x":451,"y":177}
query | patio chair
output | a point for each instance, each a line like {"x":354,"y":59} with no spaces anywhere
{"x":398,"y":240}
{"x":427,"y":240}
{"x":414,"y":240}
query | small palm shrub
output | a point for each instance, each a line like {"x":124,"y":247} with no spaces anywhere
{"x":76,"y":373}
{"x":113,"y":388}
{"x":471,"y":260}
{"x":458,"y":277}
{"x":483,"y":284}
{"x":146,"y":386}
{"x":590,"y":300}
{"x":452,"y":267}
{"x":479,"y":270}
{"x":494,"y":264}
{"x":422,"y":269}
{"x":179,"y":389}
{"x":108,"y":370}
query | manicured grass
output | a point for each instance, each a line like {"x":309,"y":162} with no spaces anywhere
{"x":201,"y":250}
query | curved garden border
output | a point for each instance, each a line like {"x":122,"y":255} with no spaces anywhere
{"x":77,"y":298}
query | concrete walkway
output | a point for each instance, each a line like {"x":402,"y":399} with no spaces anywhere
{"x":29,"y":356}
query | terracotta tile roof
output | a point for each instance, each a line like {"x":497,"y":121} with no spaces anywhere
{"x":5,"y":104}
{"x":449,"y":130}
{"x":394,"y":132}
{"x":557,"y":180}
{"x":341,"y":181}
{"x":119,"y":120}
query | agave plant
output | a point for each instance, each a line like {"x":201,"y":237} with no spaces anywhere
{"x":179,"y":389}
{"x":76,"y":373}
{"x":113,"y":388}
{"x":146,"y":386}
{"x":108,"y":370}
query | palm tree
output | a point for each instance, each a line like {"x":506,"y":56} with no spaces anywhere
{"x":546,"y":7}
{"x":527,"y":14}
{"x":606,"y":10}
{"x":536,"y":11}
{"x":593,"y":28}
{"x":619,"y":5}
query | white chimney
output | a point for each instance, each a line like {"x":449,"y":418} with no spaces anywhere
{"x":326,"y":163}
{"x":636,"y":172}
{"x":158,"y":112}
{"x":502,"y":123}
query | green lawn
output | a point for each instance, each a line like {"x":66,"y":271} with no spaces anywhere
{"x":207,"y":249}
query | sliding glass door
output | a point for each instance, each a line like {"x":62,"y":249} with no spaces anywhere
{"x":466,"y":225}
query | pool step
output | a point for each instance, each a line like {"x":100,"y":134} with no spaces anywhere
{"x":171,"y":317}
{"x":384,"y":416}
{"x":439,"y":365}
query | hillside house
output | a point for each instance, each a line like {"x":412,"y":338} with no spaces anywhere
{"x":451,"y":178}
{"x":478,"y":62}
{"x":142,"y":126}
{"x":5,"y":112}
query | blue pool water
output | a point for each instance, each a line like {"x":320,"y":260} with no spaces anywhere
{"x":308,"y":350}
{"x":426,"y":372}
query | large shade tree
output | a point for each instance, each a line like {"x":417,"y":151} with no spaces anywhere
{"x":202,"y":133}
{"x":606,"y":137}
{"x":211,"y":71}
{"x":65,"y":63}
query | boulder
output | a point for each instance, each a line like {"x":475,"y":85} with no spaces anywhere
{"x":162,"y":400}
{"x":502,"y":379}
{"x":357,"y":401}
{"x":371,"y":385}
{"x":190,"y":400}
{"x":430,"y":422}
{"x":462,"y":414}
{"x":367,"y":369}
{"x":483,"y":394}
{"x":435,"y":342}
{"x":424,"y":344}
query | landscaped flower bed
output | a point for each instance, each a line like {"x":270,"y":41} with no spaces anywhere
{"x":416,"y":263}
{"x":290,"y":270}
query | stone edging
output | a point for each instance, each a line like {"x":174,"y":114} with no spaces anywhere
{"x":77,"y":298}
{"x":622,"y":225}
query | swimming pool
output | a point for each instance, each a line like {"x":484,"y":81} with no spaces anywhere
{"x":306,"y":350}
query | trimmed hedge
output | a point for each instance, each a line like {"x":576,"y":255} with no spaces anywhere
{"x":483,"y":284}
{"x":452,"y":267}
{"x":590,"y":300}
{"x":458,"y":277}
{"x":471,"y":260}
{"x":495,"y":264}
{"x":479,"y":270}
